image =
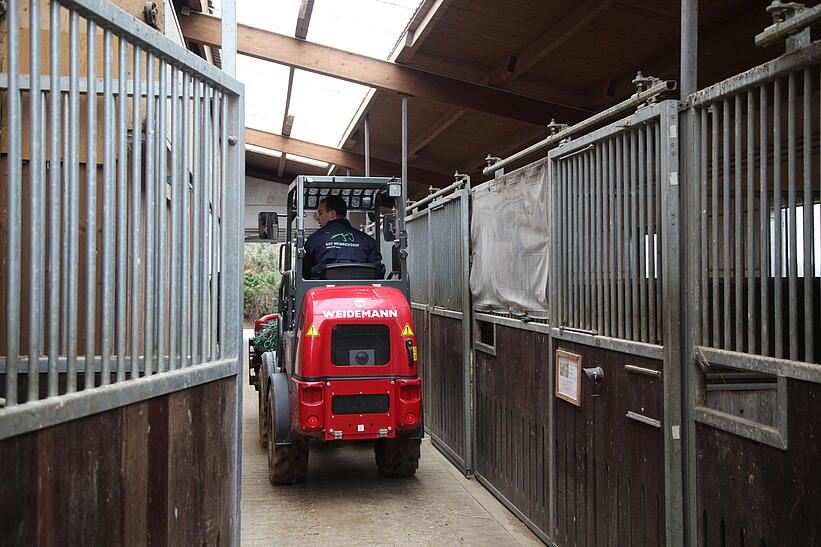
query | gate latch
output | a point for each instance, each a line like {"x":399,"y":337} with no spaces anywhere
{"x":597,"y":375}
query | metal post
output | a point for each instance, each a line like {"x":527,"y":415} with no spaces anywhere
{"x":368,"y":148}
{"x":229,"y":40}
{"x":689,"y":47}
{"x":467,"y":316}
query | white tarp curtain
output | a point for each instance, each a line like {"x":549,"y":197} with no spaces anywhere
{"x":509,"y":242}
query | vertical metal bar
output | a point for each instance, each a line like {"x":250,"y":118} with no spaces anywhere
{"x":56,"y":204}
{"x":228,"y":43}
{"x":91,"y":212}
{"x":651,"y":238}
{"x":750,"y":222}
{"x":216,"y":213}
{"x":576,"y":273}
{"x":560,"y":219}
{"x":367,"y":147}
{"x":150,"y":212}
{"x":633,"y":236}
{"x":467,"y":369}
{"x":162,"y":207}
{"x":196,"y":237}
{"x":641,"y":233}
{"x":14,"y":211}
{"x":36,"y":282}
{"x":727,"y":264}
{"x":738,"y":232}
{"x":176,"y":198}
{"x":705,"y":222}
{"x":620,"y":278}
{"x":214,"y":159}
{"x":764,"y":219}
{"x":205,"y":311}
{"x":792,"y":241}
{"x":404,"y":157}
{"x":661,"y":303}
{"x":716,"y":338}
{"x":600,"y":253}
{"x":777,"y":218}
{"x":567,"y":220}
{"x":612,"y":271}
{"x":109,"y":186}
{"x":185,"y":273}
{"x":808,"y":231}
{"x":225,"y":240}
{"x":584,"y":188}
{"x":136,"y":212}
{"x":627,"y":258}
{"x":122,"y":206}
{"x":73,"y":195}
{"x":64,"y":270}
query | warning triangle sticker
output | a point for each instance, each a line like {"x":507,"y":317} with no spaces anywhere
{"x":312,"y":331}
{"x":407,"y":331}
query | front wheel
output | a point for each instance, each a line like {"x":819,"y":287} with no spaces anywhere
{"x":287,"y":464}
{"x":397,"y":457}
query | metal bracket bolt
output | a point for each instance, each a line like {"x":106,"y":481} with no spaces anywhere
{"x":554,"y":127}
{"x":232,"y":140}
{"x":643,"y":82}
{"x":781,"y":11}
{"x":491,"y":160}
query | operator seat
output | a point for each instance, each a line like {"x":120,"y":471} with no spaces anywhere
{"x":342,"y":270}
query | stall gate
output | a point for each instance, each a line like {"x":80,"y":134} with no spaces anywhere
{"x":615,"y":206}
{"x":754,"y":256}
{"x":121,"y":248}
{"x":440,"y":294}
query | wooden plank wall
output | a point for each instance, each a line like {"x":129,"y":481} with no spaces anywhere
{"x":158,"y":472}
{"x":446,"y":419}
{"x":609,"y":468}
{"x":750,"y":494}
{"x":511,"y":420}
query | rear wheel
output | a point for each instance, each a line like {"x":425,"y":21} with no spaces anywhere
{"x":397,"y":457}
{"x":287,"y":464}
{"x":263,"y":423}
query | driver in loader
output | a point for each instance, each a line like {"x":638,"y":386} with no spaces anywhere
{"x":337,"y":241}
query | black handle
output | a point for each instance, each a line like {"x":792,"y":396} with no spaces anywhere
{"x":409,"y":348}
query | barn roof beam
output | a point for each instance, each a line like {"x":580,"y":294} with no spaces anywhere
{"x":340,"y":157}
{"x":379,"y":74}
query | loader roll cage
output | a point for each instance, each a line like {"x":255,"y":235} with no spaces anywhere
{"x":379,"y":197}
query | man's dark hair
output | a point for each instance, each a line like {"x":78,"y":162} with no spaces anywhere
{"x":335,"y":203}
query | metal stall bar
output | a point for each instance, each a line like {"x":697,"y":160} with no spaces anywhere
{"x":56,"y":320}
{"x":467,"y":328}
{"x":136,"y":213}
{"x":122,"y":211}
{"x":91,"y":207}
{"x":808,"y":221}
{"x":150,"y":211}
{"x":109,"y":186}
{"x":185,"y":272}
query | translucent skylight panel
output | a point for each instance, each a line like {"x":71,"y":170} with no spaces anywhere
{"x":277,"y":16}
{"x":266,"y":86}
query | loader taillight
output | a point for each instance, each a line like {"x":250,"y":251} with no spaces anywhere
{"x":311,"y":395}
{"x":409,"y":393}
{"x":312,"y":421}
{"x":410,"y":419}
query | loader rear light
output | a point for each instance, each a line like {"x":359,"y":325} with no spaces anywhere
{"x":312,"y":421}
{"x":409,"y":393}
{"x":410,"y":419}
{"x":311,"y":395}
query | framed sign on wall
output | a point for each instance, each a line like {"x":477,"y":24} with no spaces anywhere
{"x":568,"y":377}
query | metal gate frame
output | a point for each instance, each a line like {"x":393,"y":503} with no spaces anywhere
{"x":169,"y":371}
{"x":465,"y":464}
{"x":668,"y":114}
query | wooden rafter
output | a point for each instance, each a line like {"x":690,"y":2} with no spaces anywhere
{"x":340,"y":157}
{"x":514,"y":66}
{"x":383,"y":75}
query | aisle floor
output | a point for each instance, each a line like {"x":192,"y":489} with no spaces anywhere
{"x":345,"y":502}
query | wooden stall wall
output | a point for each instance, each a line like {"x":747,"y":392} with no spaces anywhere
{"x":610,"y":467}
{"x":511,"y":420}
{"x":750,"y":494}
{"x":158,"y":472}
{"x":446,"y":383}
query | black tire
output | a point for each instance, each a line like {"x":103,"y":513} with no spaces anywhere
{"x":397,"y":457}
{"x":263,"y":422}
{"x":287,"y":464}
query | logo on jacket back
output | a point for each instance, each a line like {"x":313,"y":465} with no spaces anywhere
{"x":345,"y":237}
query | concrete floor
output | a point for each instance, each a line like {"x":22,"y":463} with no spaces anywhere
{"x":345,"y":502}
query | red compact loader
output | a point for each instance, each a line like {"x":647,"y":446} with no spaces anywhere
{"x":345,"y":366}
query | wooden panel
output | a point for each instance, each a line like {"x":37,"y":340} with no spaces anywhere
{"x":609,"y":468}
{"x":445,"y":380}
{"x":511,"y":420}
{"x":753,"y":494}
{"x":158,"y":472}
